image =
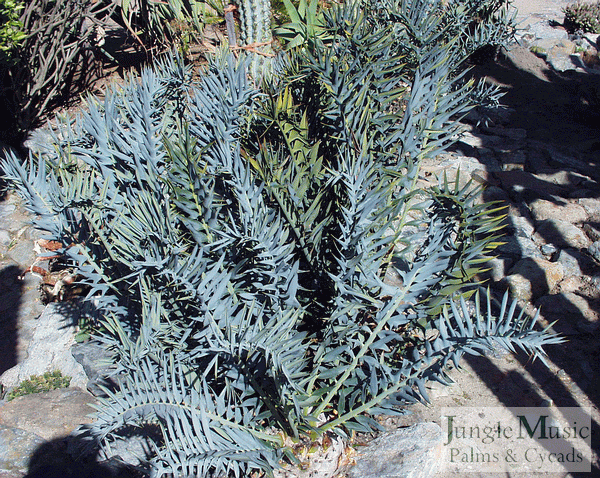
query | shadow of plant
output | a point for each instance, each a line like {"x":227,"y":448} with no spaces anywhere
{"x":560,"y":115}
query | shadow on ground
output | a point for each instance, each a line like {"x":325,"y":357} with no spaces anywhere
{"x":55,"y":459}
{"x":11,"y":292}
{"x":560,"y":113}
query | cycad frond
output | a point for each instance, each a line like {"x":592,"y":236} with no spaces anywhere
{"x":197,"y":438}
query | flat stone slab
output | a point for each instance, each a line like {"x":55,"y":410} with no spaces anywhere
{"x":16,"y":446}
{"x":569,"y":212}
{"x":50,"y":414}
{"x":561,"y":233}
{"x":413,"y":452}
{"x":591,"y":205}
{"x":531,"y":278}
{"x":575,"y":315}
{"x":49,"y":350}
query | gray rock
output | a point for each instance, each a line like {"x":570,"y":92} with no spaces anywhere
{"x":537,"y":161}
{"x":518,"y":247}
{"x":466,"y":164}
{"x":18,"y":307}
{"x":519,"y":286}
{"x":61,"y":458}
{"x":455,"y":166}
{"x":4,"y":238}
{"x":513,"y":166}
{"x":479,"y":141}
{"x":548,"y":249}
{"x":6,"y":210}
{"x":519,"y":225}
{"x":569,"y":307}
{"x":33,"y":234}
{"x":531,"y":278}
{"x":543,"y":30}
{"x":565,"y":178}
{"x":562,"y":160}
{"x":574,"y":262}
{"x":561,"y":234}
{"x":515,"y":134}
{"x":561,"y":56}
{"x":16,"y":446}
{"x":587,"y":327}
{"x":136,"y":448}
{"x":96,"y":361}
{"x":542,"y":209}
{"x":594,"y":250}
{"x":413,"y":452}
{"x":494,"y":193}
{"x":592,"y":232}
{"x":497,"y":268}
{"x":17,"y":224}
{"x":51,"y":414}
{"x":489,"y":161}
{"x":512,"y":160}
{"x":588,"y":188}
{"x":49,"y":350}
{"x":29,"y":310}
{"x":496,"y":351}
{"x":591,"y":205}
{"x":22,"y":253}
{"x":521,"y":184}
{"x":562,"y":374}
{"x":591,"y":39}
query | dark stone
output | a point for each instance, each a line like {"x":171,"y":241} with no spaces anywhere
{"x":561,"y":234}
{"x":518,"y":247}
{"x":574,"y":262}
{"x":96,"y":361}
{"x":60,"y":459}
{"x":523,"y":185}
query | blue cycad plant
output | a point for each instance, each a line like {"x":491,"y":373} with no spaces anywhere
{"x":238,"y":241}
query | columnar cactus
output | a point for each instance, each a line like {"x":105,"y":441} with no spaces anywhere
{"x":256,"y":35}
{"x":255,"y":17}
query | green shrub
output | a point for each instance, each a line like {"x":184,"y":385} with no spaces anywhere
{"x":582,"y":16}
{"x":238,"y":243}
{"x":306,"y":23}
{"x":489,"y":23}
{"x":11,"y":30}
{"x":38,"y":384}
